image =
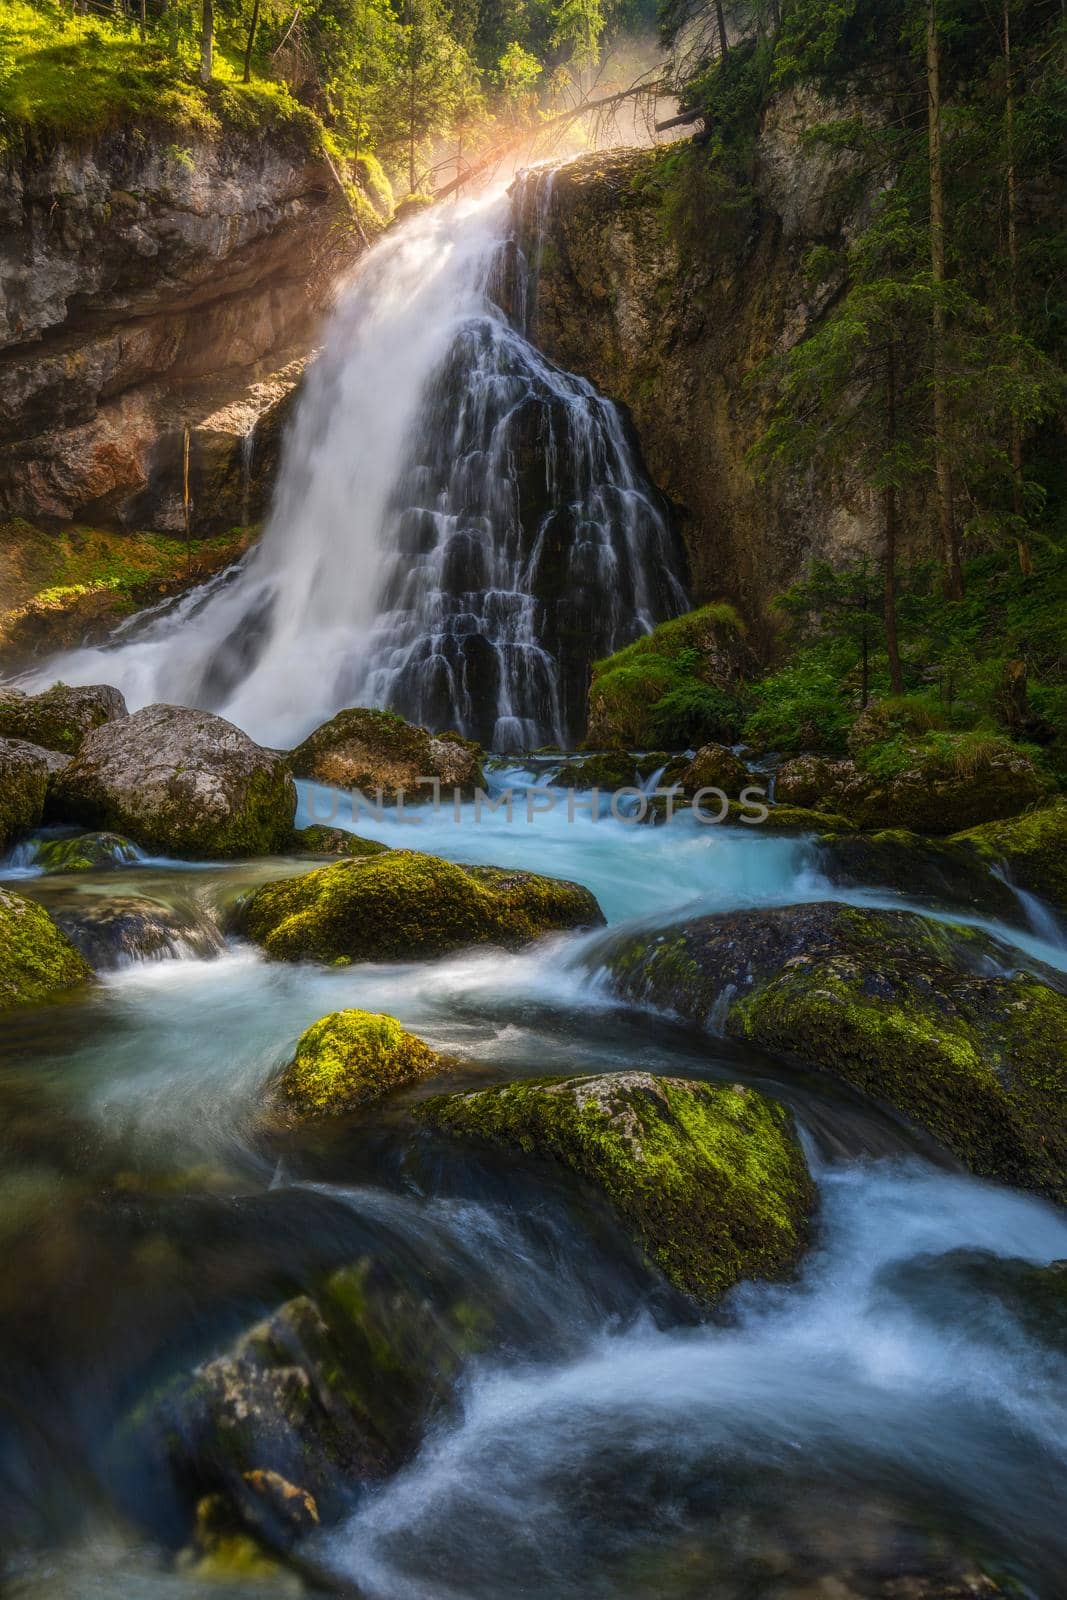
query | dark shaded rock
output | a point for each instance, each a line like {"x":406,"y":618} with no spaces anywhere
{"x":113,"y":930}
{"x":24,"y":778}
{"x":942,"y":873}
{"x":1032,"y":849}
{"x":932,"y":1019}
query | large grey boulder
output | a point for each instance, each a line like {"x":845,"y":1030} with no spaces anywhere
{"x":181,"y":782}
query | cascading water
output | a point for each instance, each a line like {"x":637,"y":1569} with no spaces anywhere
{"x":459,"y":527}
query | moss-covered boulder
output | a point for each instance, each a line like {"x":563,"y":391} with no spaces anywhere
{"x":348,"y":1060}
{"x":1031,"y":848}
{"x":112,"y":930}
{"x":320,"y":840}
{"x":60,"y":717}
{"x":377,"y":750}
{"x":401,"y":904}
{"x":714,"y":766}
{"x":603,"y":769}
{"x":24,"y":778}
{"x":37,"y":960}
{"x":180,"y":782}
{"x":84,"y":852}
{"x":709,"y":1178}
{"x":675,"y":687}
{"x":938,"y":872}
{"x":935,"y":1020}
{"x":939,"y":783}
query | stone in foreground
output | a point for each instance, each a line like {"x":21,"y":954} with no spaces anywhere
{"x":935,"y":1020}
{"x":36,"y":959}
{"x":348,"y":1060}
{"x":709,"y":1178}
{"x":182,"y":783}
{"x":401,"y":904}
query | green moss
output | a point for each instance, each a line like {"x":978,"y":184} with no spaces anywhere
{"x":402,"y":904}
{"x":320,"y":840}
{"x":36,"y":960}
{"x":368,"y":749}
{"x":23,"y":786}
{"x":349,"y":1059}
{"x":709,"y":1178}
{"x":673,"y":687}
{"x":1032,"y":847}
{"x":86,"y":852}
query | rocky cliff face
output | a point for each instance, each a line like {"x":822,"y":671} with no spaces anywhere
{"x":147,"y":287}
{"x":670,"y":311}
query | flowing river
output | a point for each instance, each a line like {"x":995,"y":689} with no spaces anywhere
{"x":882,"y":1426}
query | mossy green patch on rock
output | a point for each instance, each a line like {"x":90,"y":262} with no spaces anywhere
{"x":348,"y":1060}
{"x":24,"y":778}
{"x":1032,"y":847}
{"x":36,"y":959}
{"x":674,"y":687}
{"x":373,"y":750}
{"x":85,"y":852}
{"x":320,"y":840}
{"x":402,"y":904}
{"x":928,"y":1017}
{"x":60,"y":717}
{"x":709,"y":1178}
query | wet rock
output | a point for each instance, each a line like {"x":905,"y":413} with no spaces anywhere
{"x":978,"y":1287}
{"x":941,"y":873}
{"x":1032,"y":849}
{"x":184,"y":783}
{"x":60,"y":717}
{"x":400,"y":904}
{"x":24,"y":778}
{"x":84,"y":852}
{"x":709,"y":1178}
{"x":113,"y":930}
{"x":715,"y":767}
{"x":377,"y":750}
{"x":605,"y":769}
{"x":348,"y":1060}
{"x":941,"y":787}
{"x":319,"y":840}
{"x":37,"y":960}
{"x":935,"y":1020}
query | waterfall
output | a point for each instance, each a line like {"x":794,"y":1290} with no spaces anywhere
{"x":459,"y":527}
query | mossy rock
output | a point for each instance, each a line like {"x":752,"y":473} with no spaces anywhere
{"x":1032,"y":848}
{"x":676,"y":686}
{"x":373,"y":750}
{"x":84,"y":852}
{"x":709,"y":1178}
{"x":36,"y":959}
{"x":939,"y":872}
{"x":180,"y":782}
{"x":320,"y":840}
{"x":60,"y":717}
{"x":24,"y":779}
{"x":917,"y":1013}
{"x":714,"y":766}
{"x":348,"y":1060}
{"x":402,"y":904}
{"x":604,"y":769}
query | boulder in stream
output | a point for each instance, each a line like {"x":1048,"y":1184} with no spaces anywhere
{"x":348,"y":1060}
{"x":60,"y":717}
{"x":1032,"y":849}
{"x":113,"y":930}
{"x":24,"y":778}
{"x":709,"y":1178}
{"x":84,"y":852}
{"x":938,"y":871}
{"x":374,"y":750}
{"x":934,"y":1019}
{"x":180,"y":782}
{"x":401,"y":904}
{"x":37,"y":960}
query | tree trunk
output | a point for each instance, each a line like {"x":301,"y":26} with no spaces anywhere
{"x":207,"y":42}
{"x":253,"y":25}
{"x":1015,"y":451}
{"x":142,"y":23}
{"x":946,"y":520}
{"x":720,"y":23}
{"x":896,"y":676}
